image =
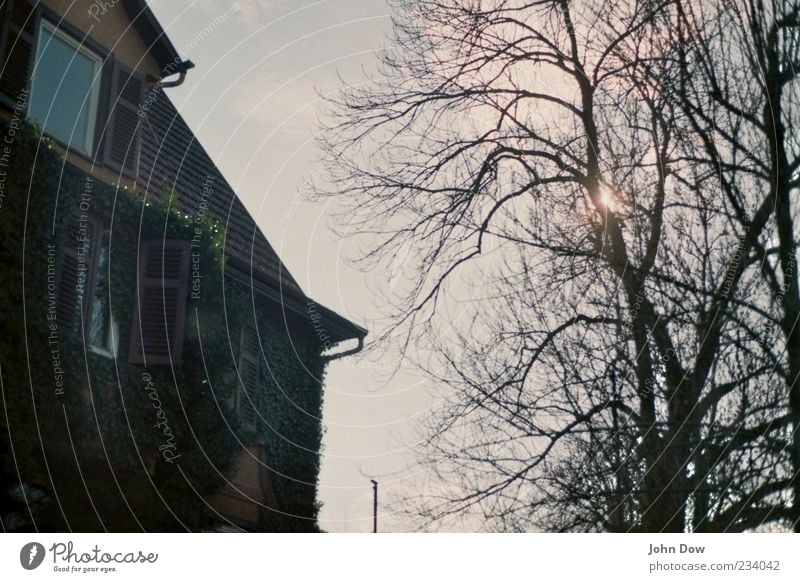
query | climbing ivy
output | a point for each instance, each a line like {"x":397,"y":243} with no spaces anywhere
{"x":84,"y":446}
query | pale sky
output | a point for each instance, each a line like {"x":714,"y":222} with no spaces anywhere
{"x":253,"y":102}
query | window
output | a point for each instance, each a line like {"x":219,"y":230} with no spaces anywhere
{"x":75,"y":265}
{"x":157,"y":334}
{"x":83,"y":307}
{"x":248,"y":401}
{"x":79,"y":92}
{"x":64,"y":88}
{"x":102,"y":333}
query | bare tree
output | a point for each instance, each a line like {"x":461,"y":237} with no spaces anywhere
{"x":739,"y":90}
{"x":591,"y":271}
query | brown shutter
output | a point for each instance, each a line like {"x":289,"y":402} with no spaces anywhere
{"x":17,"y":48}
{"x":121,"y":137}
{"x":157,"y":333}
{"x":249,"y":372}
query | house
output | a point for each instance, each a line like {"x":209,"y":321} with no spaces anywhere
{"x":161,"y":369}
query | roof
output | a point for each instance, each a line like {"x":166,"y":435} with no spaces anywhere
{"x":152,"y":33}
{"x":172,"y":159}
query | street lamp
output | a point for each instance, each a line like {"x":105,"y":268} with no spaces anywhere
{"x":374,"y":505}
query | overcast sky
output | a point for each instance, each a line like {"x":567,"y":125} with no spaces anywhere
{"x":253,"y":102}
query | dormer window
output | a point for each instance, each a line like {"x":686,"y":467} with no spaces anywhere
{"x":65,"y":86}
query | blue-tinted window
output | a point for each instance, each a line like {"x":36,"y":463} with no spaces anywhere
{"x":64,"y":89}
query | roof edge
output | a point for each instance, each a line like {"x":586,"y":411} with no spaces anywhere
{"x":338,"y":327}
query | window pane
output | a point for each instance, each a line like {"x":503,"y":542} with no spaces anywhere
{"x":75,"y":266}
{"x":62,"y":84}
{"x":100,"y":314}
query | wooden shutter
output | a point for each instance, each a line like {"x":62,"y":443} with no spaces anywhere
{"x":119,"y":147}
{"x":78,"y":261}
{"x":17,"y":47}
{"x":157,"y":333}
{"x":250,"y":374}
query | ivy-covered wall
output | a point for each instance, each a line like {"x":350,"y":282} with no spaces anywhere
{"x":91,"y":443}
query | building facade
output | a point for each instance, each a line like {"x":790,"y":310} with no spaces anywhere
{"x":161,"y":369}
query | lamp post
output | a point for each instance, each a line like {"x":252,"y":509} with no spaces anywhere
{"x":374,"y":505}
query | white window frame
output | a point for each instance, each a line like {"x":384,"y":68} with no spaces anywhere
{"x":94,"y":93}
{"x":109,"y":350}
